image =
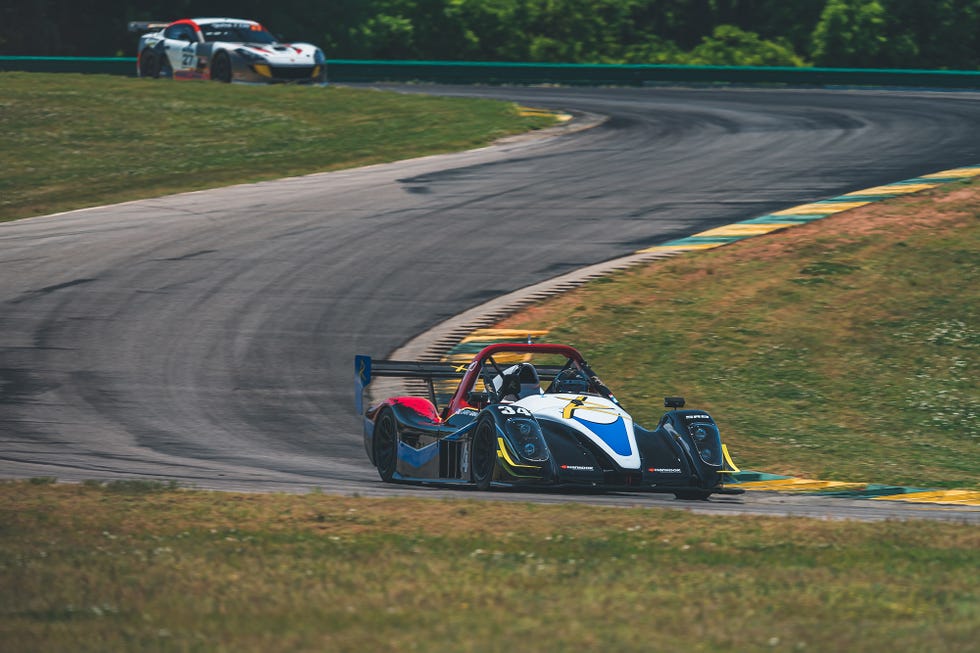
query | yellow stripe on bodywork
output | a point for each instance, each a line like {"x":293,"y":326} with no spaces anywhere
{"x":733,"y":468}
{"x":502,"y":453}
{"x":570,"y":407}
{"x":959,"y":497}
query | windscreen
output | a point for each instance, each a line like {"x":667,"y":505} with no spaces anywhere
{"x":237,"y":33}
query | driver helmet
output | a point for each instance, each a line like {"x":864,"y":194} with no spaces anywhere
{"x":516,"y":382}
{"x":574,"y":384}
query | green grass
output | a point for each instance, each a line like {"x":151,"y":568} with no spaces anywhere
{"x":99,"y":568}
{"x":70,"y":141}
{"x":848,"y":349}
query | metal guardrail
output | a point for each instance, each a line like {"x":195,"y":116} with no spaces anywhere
{"x":103,"y":65}
{"x":464,"y":72}
{"x":636,"y":74}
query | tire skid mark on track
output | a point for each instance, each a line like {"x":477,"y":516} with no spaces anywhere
{"x":439,"y":341}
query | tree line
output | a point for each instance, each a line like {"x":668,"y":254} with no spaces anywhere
{"x":933,"y":34}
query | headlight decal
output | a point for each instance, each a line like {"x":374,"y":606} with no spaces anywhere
{"x":707,"y":441}
{"x":503,"y":452}
{"x":526,"y":438}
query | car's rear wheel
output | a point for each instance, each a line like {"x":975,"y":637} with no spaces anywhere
{"x":150,"y":64}
{"x":385,"y":444}
{"x":221,"y":68}
{"x":484,"y":453}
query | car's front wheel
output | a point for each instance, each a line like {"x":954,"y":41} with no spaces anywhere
{"x":221,"y":68}
{"x":484,"y":453}
{"x":386,"y":444}
{"x":150,"y":64}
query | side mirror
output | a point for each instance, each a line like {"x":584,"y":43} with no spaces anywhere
{"x":673,"y":402}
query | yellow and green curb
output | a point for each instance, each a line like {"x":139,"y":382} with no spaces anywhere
{"x":812,"y":211}
{"x":526,"y":112}
{"x":760,"y":481}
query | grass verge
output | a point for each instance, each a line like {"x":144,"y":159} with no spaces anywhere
{"x":846,"y":349}
{"x":70,"y":141}
{"x":121,"y":567}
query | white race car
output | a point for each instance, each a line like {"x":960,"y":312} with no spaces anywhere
{"x":225,"y":50}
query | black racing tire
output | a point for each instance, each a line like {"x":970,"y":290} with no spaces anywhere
{"x":221,"y":68}
{"x":483,"y":453}
{"x":692,"y":495}
{"x":385,"y":444}
{"x":150,"y":64}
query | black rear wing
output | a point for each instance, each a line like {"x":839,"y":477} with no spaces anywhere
{"x":366,"y":369}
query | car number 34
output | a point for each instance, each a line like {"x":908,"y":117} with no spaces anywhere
{"x":513,"y":410}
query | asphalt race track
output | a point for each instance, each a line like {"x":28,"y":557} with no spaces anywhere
{"x":208,"y":337}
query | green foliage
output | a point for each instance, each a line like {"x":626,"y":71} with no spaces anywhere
{"x":730,"y":46}
{"x":850,"y":33}
{"x":387,"y":37}
{"x":874,"y":33}
{"x":898,"y":33}
{"x":937,"y":34}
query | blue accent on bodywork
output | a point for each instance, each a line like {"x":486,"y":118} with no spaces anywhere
{"x":614,"y":434}
{"x":417,"y":457}
{"x":362,"y":378}
{"x":461,"y":433}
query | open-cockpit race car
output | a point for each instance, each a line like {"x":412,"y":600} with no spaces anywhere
{"x":533,"y":415}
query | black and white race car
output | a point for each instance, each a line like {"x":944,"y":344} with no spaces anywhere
{"x":225,"y":50}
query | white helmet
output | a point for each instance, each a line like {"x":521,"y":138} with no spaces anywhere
{"x":516,"y":382}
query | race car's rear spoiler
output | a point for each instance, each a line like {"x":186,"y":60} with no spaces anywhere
{"x":146,"y":26}
{"x":366,"y":368}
